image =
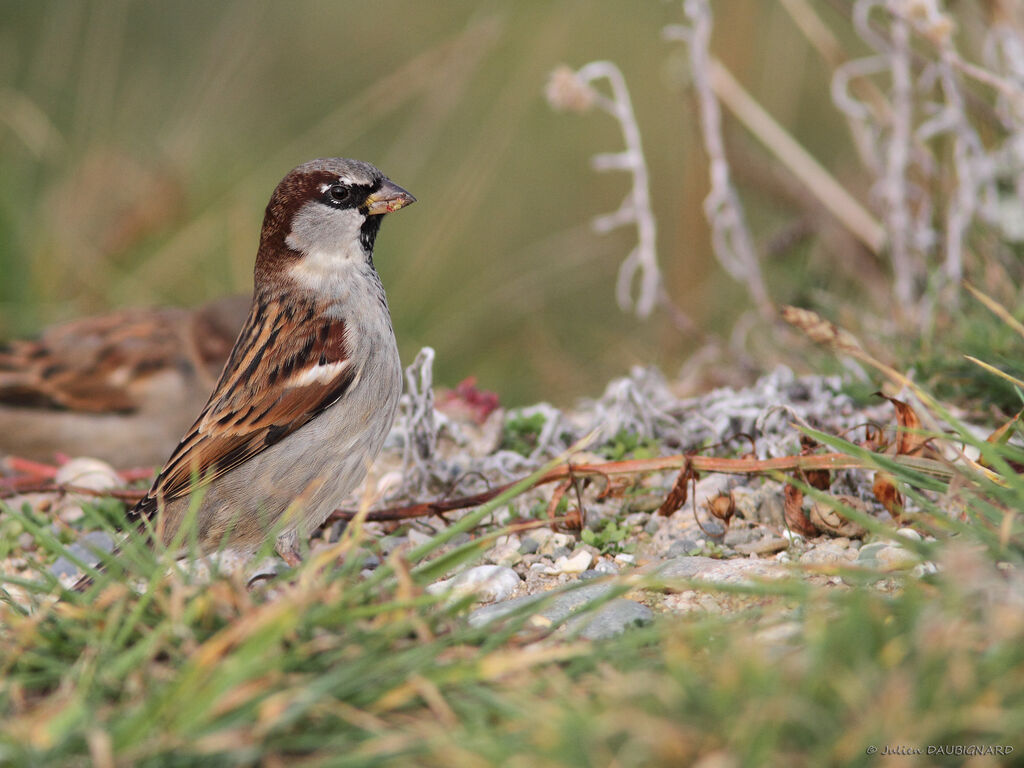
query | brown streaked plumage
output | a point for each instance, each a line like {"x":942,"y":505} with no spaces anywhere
{"x":118,"y":387}
{"x":312,"y":384}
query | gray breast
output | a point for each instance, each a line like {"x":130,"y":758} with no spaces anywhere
{"x":292,"y":486}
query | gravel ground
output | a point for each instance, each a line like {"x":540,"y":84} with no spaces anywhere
{"x":468,"y":445}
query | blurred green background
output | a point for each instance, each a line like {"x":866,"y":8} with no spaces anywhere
{"x":139,"y":143}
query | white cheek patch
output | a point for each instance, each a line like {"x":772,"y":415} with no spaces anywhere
{"x":318,"y":374}
{"x":329,"y":241}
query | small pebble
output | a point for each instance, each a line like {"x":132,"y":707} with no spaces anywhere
{"x":653,"y":525}
{"x":507,"y":541}
{"x":507,"y":555}
{"x":896,"y":559}
{"x":417,"y":537}
{"x":529,"y":545}
{"x":766,"y":546}
{"x":682,"y":548}
{"x":556,"y":541}
{"x":88,"y":473}
{"x":624,"y":558}
{"x":883,"y":556}
{"x":577,"y":563}
{"x":389,"y":544}
{"x":824,"y":555}
{"x":83,"y":550}
{"x":736,"y":536}
{"x":909,"y":533}
{"x":540,"y":536}
{"x":370,"y":561}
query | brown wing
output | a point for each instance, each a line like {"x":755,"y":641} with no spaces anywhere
{"x":94,"y":364}
{"x":272,"y":385}
{"x":89,"y":364}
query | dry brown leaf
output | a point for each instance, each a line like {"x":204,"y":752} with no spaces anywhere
{"x":1000,"y":437}
{"x":885,"y":491}
{"x":909,"y":444}
{"x":677,"y":496}
{"x":794,"y":510}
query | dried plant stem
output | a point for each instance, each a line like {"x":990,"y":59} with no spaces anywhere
{"x":822,"y":461}
{"x":732,"y":242}
{"x":742,"y":466}
{"x":997,"y":309}
{"x":788,"y":151}
{"x":897,"y":160}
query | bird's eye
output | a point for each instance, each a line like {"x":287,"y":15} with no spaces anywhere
{"x":339,"y":194}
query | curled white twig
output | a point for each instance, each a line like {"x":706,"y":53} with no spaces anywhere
{"x":419,"y":425}
{"x":928,"y":114}
{"x":731,"y":239}
{"x":574,"y":91}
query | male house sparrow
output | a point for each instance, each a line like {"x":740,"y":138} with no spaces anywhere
{"x":120,"y":387}
{"x":311,"y":387}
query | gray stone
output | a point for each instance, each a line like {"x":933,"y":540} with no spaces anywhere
{"x":867,"y":552}
{"x":767,"y":546}
{"x":909,"y":534}
{"x":539,"y":535}
{"x":763,"y":505}
{"x":825,"y":555}
{"x":489,"y":583}
{"x":389,"y":544}
{"x":683,"y":548}
{"x":713,"y":529}
{"x":707,"y":569}
{"x":736,"y":536}
{"x":555,"y":542}
{"x":610,"y":620}
{"x":83,"y":549}
{"x":528,"y":546}
{"x":653,"y":525}
{"x":370,"y":561}
{"x":896,"y":559}
{"x":557,"y":608}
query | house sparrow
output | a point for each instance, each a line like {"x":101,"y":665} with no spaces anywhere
{"x":121,"y":387}
{"x":312,"y":384}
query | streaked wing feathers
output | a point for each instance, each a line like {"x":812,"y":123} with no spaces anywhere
{"x":287,"y":366}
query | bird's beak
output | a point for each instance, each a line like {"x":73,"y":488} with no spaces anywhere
{"x":390,"y":197}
